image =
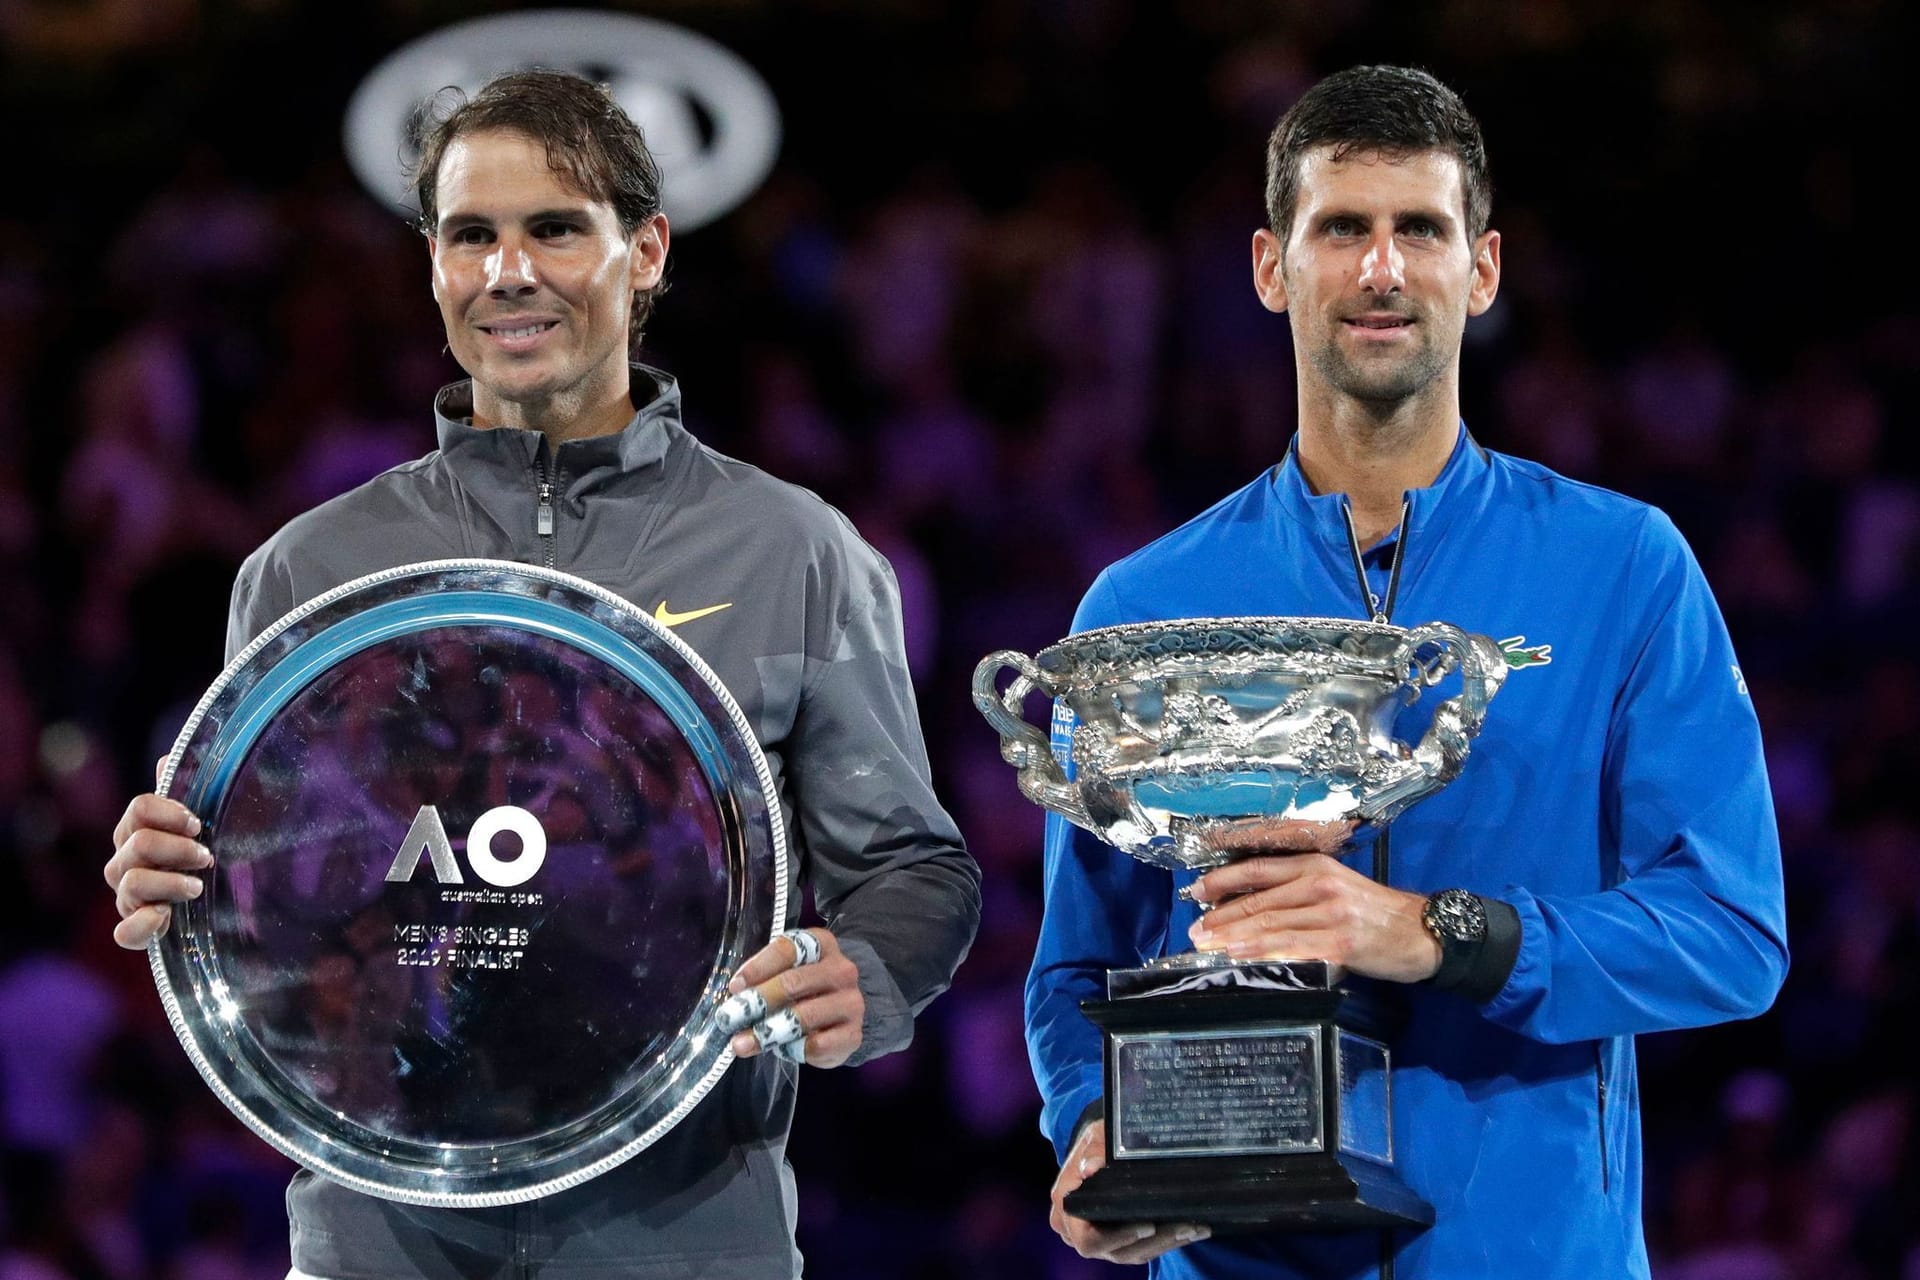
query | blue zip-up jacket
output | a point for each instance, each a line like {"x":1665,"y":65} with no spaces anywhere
{"x":1616,"y":798}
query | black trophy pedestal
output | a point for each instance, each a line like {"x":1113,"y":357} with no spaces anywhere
{"x":1246,"y":1097}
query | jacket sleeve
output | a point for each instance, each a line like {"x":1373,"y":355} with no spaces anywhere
{"x":1104,"y":910}
{"x":1693,"y":930}
{"x":889,"y":872}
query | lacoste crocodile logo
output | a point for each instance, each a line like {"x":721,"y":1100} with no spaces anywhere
{"x":668,"y":618}
{"x":1519,"y":653}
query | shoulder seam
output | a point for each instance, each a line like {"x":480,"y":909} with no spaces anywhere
{"x":1539,"y":473}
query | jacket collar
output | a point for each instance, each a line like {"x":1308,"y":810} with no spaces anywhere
{"x":1459,"y":488}
{"x":478,"y":455}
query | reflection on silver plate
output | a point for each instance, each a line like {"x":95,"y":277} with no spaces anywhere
{"x":488,"y":843}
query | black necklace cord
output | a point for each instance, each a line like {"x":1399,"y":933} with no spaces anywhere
{"x":1372,"y":604}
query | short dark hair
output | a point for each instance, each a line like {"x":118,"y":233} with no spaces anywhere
{"x":590,"y":142}
{"x":1397,"y":111}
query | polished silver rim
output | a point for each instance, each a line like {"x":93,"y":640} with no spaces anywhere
{"x":185,"y":967}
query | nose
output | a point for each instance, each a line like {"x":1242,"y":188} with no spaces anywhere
{"x":1382,"y":268}
{"x":510,"y":270}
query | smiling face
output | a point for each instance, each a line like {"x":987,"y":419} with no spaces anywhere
{"x":1379,"y":273}
{"x":535,"y":282}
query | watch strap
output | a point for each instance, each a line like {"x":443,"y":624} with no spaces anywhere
{"x":1479,"y":969}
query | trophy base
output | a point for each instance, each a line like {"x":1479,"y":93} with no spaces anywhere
{"x":1228,"y":1194}
{"x":1252,"y":1096}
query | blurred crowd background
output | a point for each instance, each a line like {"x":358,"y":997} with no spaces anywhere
{"x":994,"y":303}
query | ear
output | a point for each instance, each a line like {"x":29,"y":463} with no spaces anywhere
{"x":1269,"y":281}
{"x":649,"y":244}
{"x":1486,"y":273}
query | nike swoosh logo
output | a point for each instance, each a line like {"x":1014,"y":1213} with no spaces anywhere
{"x":668,"y":618}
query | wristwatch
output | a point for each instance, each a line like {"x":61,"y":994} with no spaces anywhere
{"x":1458,"y":921}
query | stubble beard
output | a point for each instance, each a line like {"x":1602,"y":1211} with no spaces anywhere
{"x":1384,"y":383}
{"x":527,"y":398}
{"x":559,"y":385}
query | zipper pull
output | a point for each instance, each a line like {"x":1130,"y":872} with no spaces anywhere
{"x":543,"y":521}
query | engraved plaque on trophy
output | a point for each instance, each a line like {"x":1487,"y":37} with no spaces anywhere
{"x":488,"y":844}
{"x":1252,"y":1094}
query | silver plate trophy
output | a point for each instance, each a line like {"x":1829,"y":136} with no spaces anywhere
{"x":488,"y":844}
{"x":1244,"y":1094}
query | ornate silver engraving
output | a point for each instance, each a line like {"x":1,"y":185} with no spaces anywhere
{"x":1198,"y":739}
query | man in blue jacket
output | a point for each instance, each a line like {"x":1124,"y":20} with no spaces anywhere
{"x":1610,"y":849}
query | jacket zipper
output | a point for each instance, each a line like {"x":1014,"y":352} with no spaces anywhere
{"x":1600,"y":1086}
{"x":1380,"y":610}
{"x":543,"y":514}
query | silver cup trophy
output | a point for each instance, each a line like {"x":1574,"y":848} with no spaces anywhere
{"x":1258,"y":1094}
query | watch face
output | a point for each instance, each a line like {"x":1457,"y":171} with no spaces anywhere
{"x":1456,"y":915}
{"x":488,"y":844}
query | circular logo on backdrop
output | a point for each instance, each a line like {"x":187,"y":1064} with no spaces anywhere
{"x":710,"y":120}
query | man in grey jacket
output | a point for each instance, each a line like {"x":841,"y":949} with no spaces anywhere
{"x":541,"y":209}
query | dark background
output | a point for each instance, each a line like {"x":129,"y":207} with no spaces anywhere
{"x":994,"y":302}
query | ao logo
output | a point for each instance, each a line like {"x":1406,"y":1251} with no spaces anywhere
{"x":710,"y":120}
{"x":428,"y":835}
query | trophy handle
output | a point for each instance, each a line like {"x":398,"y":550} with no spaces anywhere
{"x":1021,"y":744}
{"x":1456,"y":722}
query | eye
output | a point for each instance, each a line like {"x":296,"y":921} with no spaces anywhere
{"x":554,"y":230}
{"x":471,"y":235}
{"x":1342,"y":227}
{"x":1421,"y":229}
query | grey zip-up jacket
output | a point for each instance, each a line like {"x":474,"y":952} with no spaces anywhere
{"x":809,"y":644}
